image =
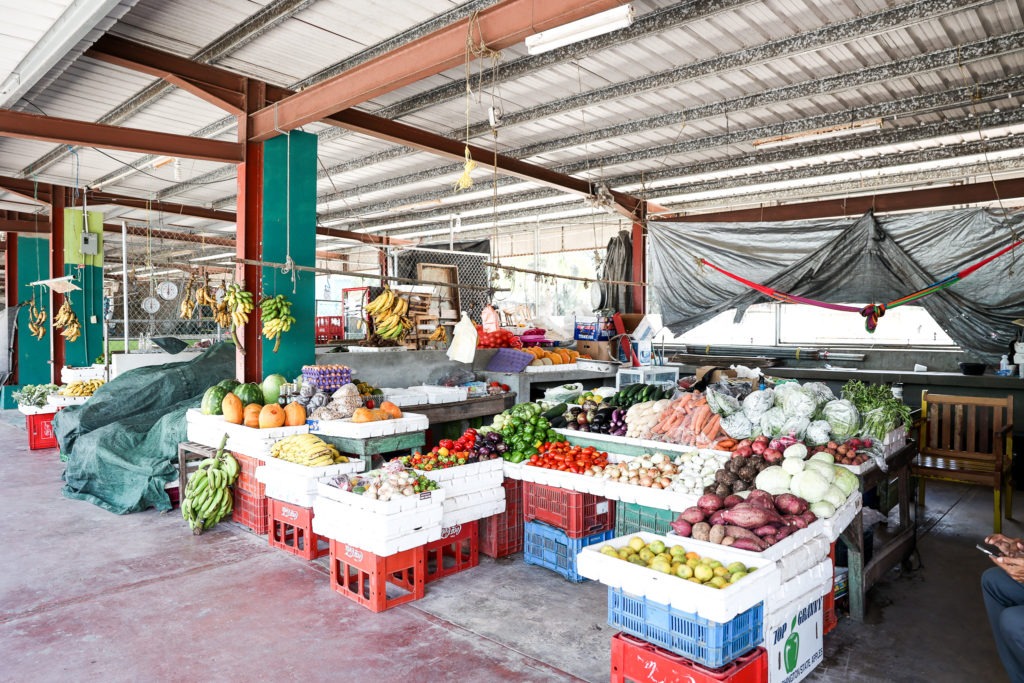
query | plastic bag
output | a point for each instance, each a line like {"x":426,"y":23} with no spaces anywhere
{"x":843,"y":417}
{"x":737,"y":426}
{"x":820,"y":392}
{"x":489,"y":319}
{"x":722,"y":403}
{"x":564,"y":393}
{"x":772,"y":421}
{"x":798,"y":403}
{"x":757,"y":403}
{"x":818,"y":433}
{"x":795,"y":425}
{"x":463,"y":347}
{"x":782,"y":391}
{"x":454,"y":378}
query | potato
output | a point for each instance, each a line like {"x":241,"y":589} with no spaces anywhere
{"x":701,"y":531}
{"x":716,"y":534}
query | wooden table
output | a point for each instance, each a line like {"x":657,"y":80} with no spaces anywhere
{"x":372,"y":447}
{"x":898,"y":548}
{"x":484,"y":406}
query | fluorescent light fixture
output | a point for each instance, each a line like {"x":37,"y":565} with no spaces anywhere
{"x":213,"y":257}
{"x":819,"y":134}
{"x":573,"y":32}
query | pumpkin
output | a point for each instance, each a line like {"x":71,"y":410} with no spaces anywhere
{"x":391,"y":409}
{"x":294,"y":414}
{"x":212,"y":400}
{"x":231,"y":406}
{"x":249,"y":393}
{"x":364,"y":415}
{"x":271,"y":416}
{"x":251,"y":415}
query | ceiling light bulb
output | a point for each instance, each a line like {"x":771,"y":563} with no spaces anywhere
{"x":573,"y":32}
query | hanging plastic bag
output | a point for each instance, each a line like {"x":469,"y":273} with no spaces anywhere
{"x":463,"y":348}
{"x":489,"y":319}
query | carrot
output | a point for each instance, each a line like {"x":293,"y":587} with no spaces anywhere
{"x":726,"y":444}
{"x":711,"y":429}
{"x":700,"y":416}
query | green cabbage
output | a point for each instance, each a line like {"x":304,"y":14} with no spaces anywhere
{"x":843,"y":418}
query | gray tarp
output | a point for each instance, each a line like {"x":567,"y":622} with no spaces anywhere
{"x":852,"y":260}
{"x":121,"y":444}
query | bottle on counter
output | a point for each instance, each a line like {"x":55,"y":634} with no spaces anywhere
{"x":897,"y":390}
{"x":1004,"y":364}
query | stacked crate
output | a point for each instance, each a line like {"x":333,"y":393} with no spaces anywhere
{"x":560,"y":523}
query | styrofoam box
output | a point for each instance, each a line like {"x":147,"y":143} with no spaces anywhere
{"x":470,"y":507}
{"x":402,"y":396}
{"x":815,"y":578}
{"x":438,"y":394}
{"x":59,"y":401}
{"x":717,"y":605}
{"x":381,"y":534}
{"x":476,"y":476}
{"x":652,"y":446}
{"x":295,"y":483}
{"x":563,"y":480}
{"x":37,"y":410}
{"x":69,"y":374}
{"x":550,"y":368}
{"x":287,"y":493}
{"x":838,"y":522}
{"x":409,"y":422}
{"x":792,"y":555}
{"x":512,"y":470}
{"x":208,"y":430}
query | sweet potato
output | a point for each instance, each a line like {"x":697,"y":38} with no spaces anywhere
{"x":701,"y":531}
{"x":738,"y":532}
{"x":716,"y":534}
{"x":731,"y":501}
{"x":809,"y":517}
{"x":769,"y":540}
{"x":785,"y":531}
{"x":728,"y":540}
{"x":717,"y":517}
{"x":750,"y":516}
{"x":766,"y":530}
{"x":794,"y":521}
{"x":709,"y":502}
{"x":762,"y":499}
{"x":751,"y":544}
{"x":693,"y":515}
{"x":788,"y":504}
{"x":681,"y":527}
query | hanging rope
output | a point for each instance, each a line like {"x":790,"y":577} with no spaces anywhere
{"x":872,"y":312}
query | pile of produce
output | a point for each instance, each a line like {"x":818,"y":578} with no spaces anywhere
{"x":677,"y":562}
{"x":307,"y":449}
{"x":595,"y":417}
{"x":551,"y":356}
{"x":848,"y":453}
{"x":697,"y":470}
{"x":881,"y":411}
{"x":755,"y":523}
{"x":633,"y":394}
{"x":208,"y":498}
{"x":390,"y":482}
{"x":244,"y":405}
{"x":387,"y":411}
{"x":238,"y":302}
{"x":36,"y":320}
{"x":739,"y":472}
{"x":67,"y":322}
{"x":565,"y":457}
{"x":641,"y":417}
{"x":687,"y":420}
{"x":499,"y":339}
{"x":34,"y":395}
{"x":388,"y":313}
{"x":523,"y":431}
{"x":81,"y":388}
{"x":276,"y":316}
{"x":656,"y":471}
{"x":448,"y":453}
{"x":824,"y":485}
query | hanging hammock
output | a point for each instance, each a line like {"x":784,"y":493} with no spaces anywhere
{"x":871,"y":312}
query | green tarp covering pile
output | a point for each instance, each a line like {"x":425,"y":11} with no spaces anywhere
{"x":122,"y":444}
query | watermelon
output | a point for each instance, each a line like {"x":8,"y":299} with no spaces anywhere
{"x":229,"y":384}
{"x":249,"y":393}
{"x":212,"y":399}
{"x":272,"y":387}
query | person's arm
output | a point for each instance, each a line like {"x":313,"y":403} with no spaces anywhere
{"x":1014,"y":566}
{"x":1010,"y":547}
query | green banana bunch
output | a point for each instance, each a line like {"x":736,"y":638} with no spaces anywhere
{"x":208,"y":496}
{"x":276,"y":314}
{"x":239,"y":303}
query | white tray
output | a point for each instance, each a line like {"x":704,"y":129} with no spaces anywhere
{"x":512,"y":470}
{"x":713,"y":604}
{"x":439,"y":394}
{"x":838,"y":522}
{"x":69,"y":374}
{"x":470,"y":507}
{"x":651,"y":446}
{"x":395,"y":505}
{"x":381,"y":534}
{"x":375,"y":349}
{"x":295,"y":483}
{"x":346,"y":428}
{"x":37,"y":410}
{"x":59,"y":401}
{"x":208,"y":430}
{"x":551,"y":368}
{"x":476,"y":476}
{"x":816,"y":577}
{"x":287,"y":493}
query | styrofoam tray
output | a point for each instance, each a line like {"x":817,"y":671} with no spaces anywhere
{"x":61,"y":401}
{"x":551,"y":368}
{"x":409,"y":422}
{"x":287,"y":493}
{"x":470,"y":507}
{"x":717,"y":605}
{"x":838,"y":522}
{"x":295,"y":483}
{"x":38,"y":410}
{"x":512,"y":470}
{"x":652,"y":446}
{"x":476,"y":476}
{"x":816,"y":577}
{"x":69,"y":374}
{"x":381,"y":534}
{"x":596,"y":365}
{"x":395,"y":505}
{"x":439,"y":394}
{"x":375,"y":349}
{"x":662,"y":499}
{"x":563,"y":480}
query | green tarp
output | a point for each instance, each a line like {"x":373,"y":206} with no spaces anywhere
{"x":122,"y":444}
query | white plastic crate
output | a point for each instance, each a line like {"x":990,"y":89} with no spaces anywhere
{"x":470,"y":507}
{"x":710,"y":603}
{"x":409,"y":422}
{"x":381,"y":527}
{"x":476,"y":476}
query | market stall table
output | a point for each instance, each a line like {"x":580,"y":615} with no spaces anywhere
{"x":521,"y":383}
{"x":898,"y":548}
{"x":368,"y":447}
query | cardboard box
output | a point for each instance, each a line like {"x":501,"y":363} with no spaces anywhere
{"x":717,"y":376}
{"x":643,"y":352}
{"x":793,"y":638}
{"x":598,"y":350}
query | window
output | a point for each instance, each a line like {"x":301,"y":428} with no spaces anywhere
{"x":774,"y":324}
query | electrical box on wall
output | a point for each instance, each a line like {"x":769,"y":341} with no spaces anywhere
{"x":90,"y":243}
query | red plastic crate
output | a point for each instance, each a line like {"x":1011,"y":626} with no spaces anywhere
{"x":250,"y":510}
{"x":174,"y":493}
{"x":577,"y":514}
{"x":247,"y":475}
{"x":363,"y":577}
{"x":290,"y":528}
{"x":330,"y":327}
{"x":829,"y":617}
{"x":457,"y":550}
{"x":637,"y":660}
{"x":40,"y":431}
{"x":502,"y":534}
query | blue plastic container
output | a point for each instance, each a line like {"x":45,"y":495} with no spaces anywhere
{"x":546,"y":546}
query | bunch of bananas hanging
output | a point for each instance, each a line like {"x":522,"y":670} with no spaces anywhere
{"x":439,"y":335}
{"x":221,"y":316}
{"x":36,"y":321}
{"x":81,"y":387}
{"x":307,"y":449}
{"x":188,"y":306}
{"x":276,"y":314}
{"x":207,"y":496}
{"x":204,"y":297}
{"x":67,"y":322}
{"x":388,"y":311}
{"x":239,"y":304}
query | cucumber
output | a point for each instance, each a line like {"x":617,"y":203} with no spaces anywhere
{"x":557,"y":411}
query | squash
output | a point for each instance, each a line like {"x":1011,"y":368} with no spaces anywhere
{"x":364,"y":415}
{"x":294,"y":414}
{"x":251,"y":413}
{"x":231,"y":406}
{"x":249,"y":393}
{"x":271,"y":416}
{"x":391,"y":409}
{"x":379,"y":414}
{"x":212,"y":400}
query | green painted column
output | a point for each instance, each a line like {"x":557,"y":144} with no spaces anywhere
{"x":33,"y":354}
{"x":289,"y":227}
{"x":87,"y":302}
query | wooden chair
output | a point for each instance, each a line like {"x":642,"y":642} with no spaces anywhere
{"x":969,"y":440}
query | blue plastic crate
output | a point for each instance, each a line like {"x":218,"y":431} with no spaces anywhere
{"x":546,"y":546}
{"x":705,"y":642}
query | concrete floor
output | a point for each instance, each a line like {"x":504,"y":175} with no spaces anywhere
{"x":88,"y":596}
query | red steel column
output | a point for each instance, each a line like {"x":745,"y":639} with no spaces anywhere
{"x":639,"y":267}
{"x":58,"y":200}
{"x":248,"y":244}
{"x":11,"y":288}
